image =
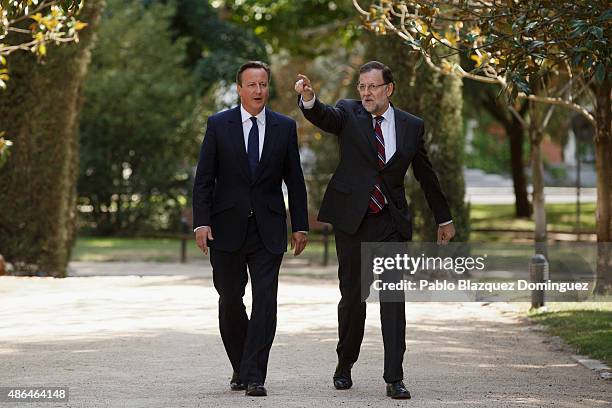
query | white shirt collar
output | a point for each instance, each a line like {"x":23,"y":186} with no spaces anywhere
{"x":261,"y":116}
{"x":389,"y":114}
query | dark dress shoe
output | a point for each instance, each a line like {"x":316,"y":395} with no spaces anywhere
{"x":397,"y":390}
{"x":256,"y":390}
{"x":236,"y":384}
{"x":342,"y":377}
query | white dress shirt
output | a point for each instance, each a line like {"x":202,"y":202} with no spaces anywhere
{"x":388,"y":130}
{"x":247,"y":124}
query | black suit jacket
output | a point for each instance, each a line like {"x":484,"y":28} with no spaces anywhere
{"x":224,"y":193}
{"x":346,"y":199}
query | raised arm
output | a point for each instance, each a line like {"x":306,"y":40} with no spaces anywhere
{"x":327,"y":118}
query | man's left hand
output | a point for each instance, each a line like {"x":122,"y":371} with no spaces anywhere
{"x":446,"y":233}
{"x":298,"y":242}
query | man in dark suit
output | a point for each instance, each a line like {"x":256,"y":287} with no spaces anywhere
{"x":365,"y":201}
{"x":239,"y":212}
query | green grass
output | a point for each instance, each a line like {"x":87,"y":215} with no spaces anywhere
{"x":585,"y":326}
{"x":110,"y":249}
{"x":558,"y":216}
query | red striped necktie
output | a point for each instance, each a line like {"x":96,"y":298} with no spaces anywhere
{"x":377,"y":200}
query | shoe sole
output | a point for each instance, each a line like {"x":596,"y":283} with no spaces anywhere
{"x":343,"y":387}
{"x":255,"y":395}
{"x":398,"y":396}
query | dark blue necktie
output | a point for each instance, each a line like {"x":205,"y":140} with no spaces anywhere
{"x":253,"y":146}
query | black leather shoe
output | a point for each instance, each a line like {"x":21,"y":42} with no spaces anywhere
{"x":256,"y":390}
{"x":397,"y":390}
{"x":236,"y":384}
{"x":342,"y":377}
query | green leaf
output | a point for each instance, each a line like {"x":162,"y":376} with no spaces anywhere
{"x":575,"y":24}
{"x":520,"y":83}
{"x":415,"y":42}
{"x":597,"y":32}
{"x":579,"y":27}
{"x":420,"y":61}
{"x":65,"y":5}
{"x":600,"y":73}
{"x":607,"y":15}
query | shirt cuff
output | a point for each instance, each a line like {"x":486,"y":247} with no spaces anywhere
{"x":309,"y":104}
{"x":446,"y":223}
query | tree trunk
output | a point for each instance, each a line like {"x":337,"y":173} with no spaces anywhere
{"x":516,"y":134}
{"x":539,"y":209}
{"x":537,"y":169}
{"x":39,"y":111}
{"x":603,"y":165}
{"x":500,"y":111}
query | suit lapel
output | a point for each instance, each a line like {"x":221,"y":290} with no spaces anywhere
{"x":364,"y":121}
{"x":269,"y":141}
{"x":236,"y":136}
{"x":401,"y":136}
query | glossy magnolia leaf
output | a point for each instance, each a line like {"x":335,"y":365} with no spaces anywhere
{"x":517,"y":40}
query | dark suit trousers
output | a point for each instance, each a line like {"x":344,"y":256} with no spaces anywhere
{"x":352,"y":311}
{"x":247,"y":341}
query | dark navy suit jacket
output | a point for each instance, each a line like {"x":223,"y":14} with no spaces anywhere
{"x":347,"y":196}
{"x":224,"y":191}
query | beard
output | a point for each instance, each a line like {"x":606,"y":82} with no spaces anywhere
{"x":372,"y":107}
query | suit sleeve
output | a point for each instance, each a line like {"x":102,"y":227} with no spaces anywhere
{"x":294,"y":179}
{"x":426,"y":176}
{"x":327,"y":118}
{"x":205,"y":177}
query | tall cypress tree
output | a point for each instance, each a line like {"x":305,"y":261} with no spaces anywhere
{"x":39,"y":110}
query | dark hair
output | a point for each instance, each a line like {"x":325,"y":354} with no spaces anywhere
{"x":251,"y":64}
{"x":386,"y":71}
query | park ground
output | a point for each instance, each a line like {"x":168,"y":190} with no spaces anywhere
{"x":146,"y":335}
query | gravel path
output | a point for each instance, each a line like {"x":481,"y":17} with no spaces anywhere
{"x":123,"y":340}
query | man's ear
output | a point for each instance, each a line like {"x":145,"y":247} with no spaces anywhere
{"x":390,"y":89}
